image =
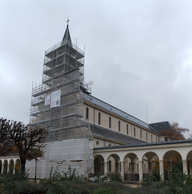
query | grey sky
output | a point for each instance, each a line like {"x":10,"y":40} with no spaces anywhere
{"x":138,"y":53}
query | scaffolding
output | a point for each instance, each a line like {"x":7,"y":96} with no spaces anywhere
{"x":57,"y":103}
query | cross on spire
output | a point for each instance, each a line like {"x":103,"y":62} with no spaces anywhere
{"x":67,"y":21}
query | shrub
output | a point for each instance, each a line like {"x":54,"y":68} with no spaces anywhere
{"x":115,"y":177}
{"x":103,"y":191}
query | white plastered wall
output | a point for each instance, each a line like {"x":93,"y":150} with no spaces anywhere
{"x":77,"y":153}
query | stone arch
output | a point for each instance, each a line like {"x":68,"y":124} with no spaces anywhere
{"x":131,"y":163}
{"x":1,"y":166}
{"x":171,"y":158}
{"x":151,"y":165}
{"x":98,"y":165}
{"x":17,"y":165}
{"x":5,"y":166}
{"x":114,"y":160}
{"x":11,"y":166}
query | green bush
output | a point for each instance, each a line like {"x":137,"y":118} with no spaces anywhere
{"x":55,"y":188}
{"x":9,"y":182}
{"x":115,"y":176}
{"x":103,"y":191}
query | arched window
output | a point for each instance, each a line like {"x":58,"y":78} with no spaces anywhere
{"x":87,"y":113}
{"x":109,"y":165}
{"x":110,"y":122}
{"x":99,"y":118}
{"x":127,"y":129}
{"x":11,"y":166}
{"x":119,"y":126}
{"x":17,"y":165}
{"x":5,"y":167}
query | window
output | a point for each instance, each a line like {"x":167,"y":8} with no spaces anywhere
{"x":109,"y":165}
{"x":87,"y":113}
{"x":156,"y":138}
{"x":151,"y":138}
{"x":99,"y":118}
{"x":134,"y":132}
{"x":110,"y":122}
{"x":120,"y":166}
{"x":141,"y":134}
{"x":146,"y":137}
{"x":165,"y":138}
{"x":97,"y":142}
{"x":127,"y":129}
{"x":119,"y":127}
{"x":109,"y":144}
{"x":137,"y":167}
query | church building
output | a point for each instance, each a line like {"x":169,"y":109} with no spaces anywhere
{"x":89,"y":134}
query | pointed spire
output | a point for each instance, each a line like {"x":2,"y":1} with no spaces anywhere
{"x":67,"y":37}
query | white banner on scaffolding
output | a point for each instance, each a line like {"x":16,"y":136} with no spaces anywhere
{"x":47,"y":99}
{"x":55,"y":98}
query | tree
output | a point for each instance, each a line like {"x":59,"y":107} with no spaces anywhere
{"x":175,"y":132}
{"x":28,"y":141}
{"x":6,"y":145}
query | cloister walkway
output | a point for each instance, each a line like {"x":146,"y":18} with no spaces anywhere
{"x":140,"y":158}
{"x":9,"y":163}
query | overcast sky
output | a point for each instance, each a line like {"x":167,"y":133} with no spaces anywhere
{"x":138,"y":53}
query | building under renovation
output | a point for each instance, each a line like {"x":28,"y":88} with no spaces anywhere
{"x":88,"y":134}
{"x":57,"y":104}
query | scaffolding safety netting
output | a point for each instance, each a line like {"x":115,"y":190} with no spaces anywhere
{"x":57,"y":104}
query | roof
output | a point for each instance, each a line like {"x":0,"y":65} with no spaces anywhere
{"x":66,"y":37}
{"x":99,"y":103}
{"x":161,"y":126}
{"x":146,"y":144}
{"x":112,"y":135}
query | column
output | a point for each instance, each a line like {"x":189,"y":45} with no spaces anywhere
{"x":105,"y":168}
{"x":185,"y":166}
{"x":161,"y":169}
{"x":149,"y":168}
{"x":122,"y":170}
{"x":169,"y":164}
{"x":141,"y":171}
{"x":2,"y":166}
{"x":8,"y":167}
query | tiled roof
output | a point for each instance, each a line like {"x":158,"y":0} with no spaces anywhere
{"x":161,"y":126}
{"x":146,"y":144}
{"x":112,"y":135}
{"x":95,"y":101}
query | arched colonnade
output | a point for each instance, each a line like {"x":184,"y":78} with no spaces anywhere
{"x":9,"y":164}
{"x":135,"y":161}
